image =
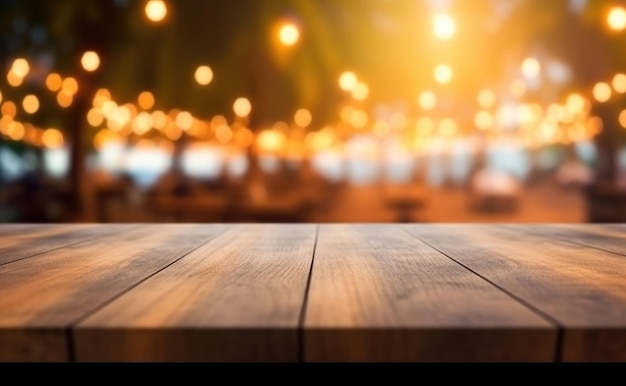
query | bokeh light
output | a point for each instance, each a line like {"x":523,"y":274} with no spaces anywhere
{"x":203,"y":75}
{"x":289,"y":34}
{"x":156,"y":10}
{"x":90,"y":61}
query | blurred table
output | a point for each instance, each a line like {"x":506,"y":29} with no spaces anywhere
{"x":309,"y":292}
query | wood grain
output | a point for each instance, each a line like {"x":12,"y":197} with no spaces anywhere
{"x":582,"y":288}
{"x":31,"y":240}
{"x":606,"y":238}
{"x":45,"y":296}
{"x":379,"y":294}
{"x":236,"y":299}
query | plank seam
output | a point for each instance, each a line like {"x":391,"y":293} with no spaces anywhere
{"x":305,"y":301}
{"x":72,"y":325}
{"x":541,"y":314}
{"x":569,"y":241}
{"x":63,"y":246}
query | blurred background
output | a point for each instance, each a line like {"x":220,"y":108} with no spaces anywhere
{"x":313,"y":111}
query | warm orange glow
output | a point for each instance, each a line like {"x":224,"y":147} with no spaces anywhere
{"x":619,"y":83}
{"x":0,"y":96}
{"x":427,"y":100}
{"x":203,"y":75}
{"x":602,"y":92}
{"x":95,"y":117}
{"x":517,"y":88}
{"x":16,"y":131}
{"x":65,"y":99}
{"x":184,"y":120}
{"x":444,"y":26}
{"x":381,"y":129}
{"x":52,"y":138}
{"x":447,"y":127}
{"x":70,"y":85}
{"x":142,"y":123}
{"x":156,"y":10}
{"x":102,"y":95}
{"x":483,"y":120}
{"x":616,"y":18}
{"x":443,"y":74}
{"x":289,"y":34}
{"x":531,"y":67}
{"x":160,"y":119}
{"x":358,"y":119}
{"x":54,"y":82}
{"x":173,"y":132}
{"x":14,"y":80}
{"x":20,"y":67}
{"x":361,"y":91}
{"x":271,"y":141}
{"x":90,"y":61}
{"x":146,"y":100}
{"x":223,"y":134}
{"x":486,"y":99}
{"x":425,"y":126}
{"x":244,"y":137}
{"x":348,"y":81}
{"x":242,"y":107}
{"x":30,"y":104}
{"x":9,"y":109}
{"x":622,"y":118}
{"x":303,"y":118}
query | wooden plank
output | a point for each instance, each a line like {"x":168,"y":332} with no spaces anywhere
{"x":238,"y":298}
{"x":40,"y":298}
{"x":582,"y":288}
{"x":610,"y":239}
{"x":19,"y":242}
{"x":379,"y":294}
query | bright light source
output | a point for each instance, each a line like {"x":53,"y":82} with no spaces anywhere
{"x":203,"y":75}
{"x":531,"y":67}
{"x":619,"y":83}
{"x":90,"y":61}
{"x":242,"y":107}
{"x":486,"y":98}
{"x":443,"y":74}
{"x":427,"y":100}
{"x":444,"y":26}
{"x":303,"y":118}
{"x":348,"y":81}
{"x":20,"y":67}
{"x":146,"y":100}
{"x":602,"y":92}
{"x":156,"y":10}
{"x":616,"y":18}
{"x":289,"y":34}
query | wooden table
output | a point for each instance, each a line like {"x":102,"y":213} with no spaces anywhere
{"x":309,"y":292}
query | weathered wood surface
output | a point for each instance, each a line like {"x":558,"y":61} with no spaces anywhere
{"x":379,"y":294}
{"x":238,"y":298}
{"x":581,"y":288}
{"x":41,"y":298}
{"x":308,"y":292}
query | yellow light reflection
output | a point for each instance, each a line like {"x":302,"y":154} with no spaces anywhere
{"x":70,"y":85}
{"x":348,"y":81}
{"x":619,"y":83}
{"x":14,"y":80}
{"x":184,"y":120}
{"x":20,"y":67}
{"x":242,"y":107}
{"x":156,"y":10}
{"x":616,"y":18}
{"x":602,"y":92}
{"x":361,"y":91}
{"x":443,"y":74}
{"x":444,"y":26}
{"x":531,"y":67}
{"x":90,"y":61}
{"x":427,"y":100}
{"x":289,"y":34}
{"x":203,"y":75}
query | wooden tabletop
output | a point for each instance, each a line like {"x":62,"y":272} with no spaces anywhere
{"x":313,"y":292}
